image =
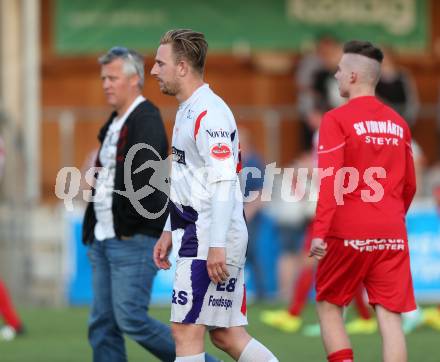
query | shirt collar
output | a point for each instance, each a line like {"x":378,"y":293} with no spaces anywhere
{"x":363,"y":99}
{"x":203,"y":88}
{"x":139,"y":99}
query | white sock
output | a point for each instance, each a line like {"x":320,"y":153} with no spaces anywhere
{"x":256,"y":352}
{"x":194,"y":358}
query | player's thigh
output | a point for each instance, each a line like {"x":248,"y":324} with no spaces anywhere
{"x":191,"y":282}
{"x":389,"y":322}
{"x":340,"y":272}
{"x":197,"y":300}
{"x":188,"y":333}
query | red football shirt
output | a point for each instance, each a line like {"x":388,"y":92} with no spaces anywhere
{"x":366,"y":147}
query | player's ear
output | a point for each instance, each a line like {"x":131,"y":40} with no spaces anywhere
{"x":353,"y":77}
{"x":182,"y":68}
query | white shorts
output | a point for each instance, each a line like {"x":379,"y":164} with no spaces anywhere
{"x":197,"y":300}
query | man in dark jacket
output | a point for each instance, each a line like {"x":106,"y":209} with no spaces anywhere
{"x":123,"y":222}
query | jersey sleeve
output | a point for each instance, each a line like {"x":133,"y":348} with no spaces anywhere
{"x":331,"y":146}
{"x":213,"y":136}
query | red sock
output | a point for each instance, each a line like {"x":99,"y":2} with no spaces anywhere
{"x":343,"y":355}
{"x":361,"y":306}
{"x":301,"y":291}
{"x":7,"y":309}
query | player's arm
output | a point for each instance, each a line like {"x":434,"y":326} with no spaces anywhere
{"x":330,"y":159}
{"x":214,"y":144}
{"x":221,"y":210}
{"x":409,"y":189}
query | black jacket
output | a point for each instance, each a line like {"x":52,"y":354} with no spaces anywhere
{"x":143,"y":126}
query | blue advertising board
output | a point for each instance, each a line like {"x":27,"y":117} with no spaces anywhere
{"x":423,"y":223}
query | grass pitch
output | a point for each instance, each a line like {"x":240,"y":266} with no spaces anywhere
{"x":60,"y":335}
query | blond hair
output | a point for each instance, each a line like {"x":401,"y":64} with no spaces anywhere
{"x":189,"y":45}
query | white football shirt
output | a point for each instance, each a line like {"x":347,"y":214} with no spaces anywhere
{"x":205,"y":150}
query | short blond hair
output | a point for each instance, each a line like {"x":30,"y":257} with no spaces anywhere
{"x":189,"y":45}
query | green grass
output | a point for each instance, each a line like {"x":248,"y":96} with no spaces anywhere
{"x":60,"y":335}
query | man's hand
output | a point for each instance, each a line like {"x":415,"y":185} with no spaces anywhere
{"x":216,"y":265}
{"x":318,"y":248}
{"x":162,"y":250}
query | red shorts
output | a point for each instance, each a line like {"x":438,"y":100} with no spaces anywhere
{"x":382,"y":265}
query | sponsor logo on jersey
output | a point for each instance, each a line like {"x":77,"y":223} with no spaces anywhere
{"x":217,"y":133}
{"x":221,"y":151}
{"x":178,"y":155}
{"x":383,"y":127}
{"x":388,"y":131}
{"x":220,"y":302}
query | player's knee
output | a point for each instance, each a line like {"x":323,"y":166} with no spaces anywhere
{"x":187,"y":334}
{"x":220,"y":339}
{"x":229,"y":339}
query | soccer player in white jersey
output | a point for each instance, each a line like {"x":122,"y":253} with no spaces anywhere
{"x":206,"y":223}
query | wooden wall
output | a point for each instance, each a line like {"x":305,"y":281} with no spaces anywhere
{"x":74,"y":82}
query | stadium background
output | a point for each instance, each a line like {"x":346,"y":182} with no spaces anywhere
{"x":52,"y":106}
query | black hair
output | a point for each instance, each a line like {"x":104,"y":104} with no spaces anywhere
{"x":364,"y":48}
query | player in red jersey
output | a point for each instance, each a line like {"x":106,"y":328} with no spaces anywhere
{"x":289,"y":320}
{"x":367,"y":185}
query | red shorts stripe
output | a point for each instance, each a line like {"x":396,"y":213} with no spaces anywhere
{"x":243,"y":308}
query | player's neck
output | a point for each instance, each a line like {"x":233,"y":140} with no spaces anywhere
{"x":188,"y":88}
{"x":361,"y":92}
